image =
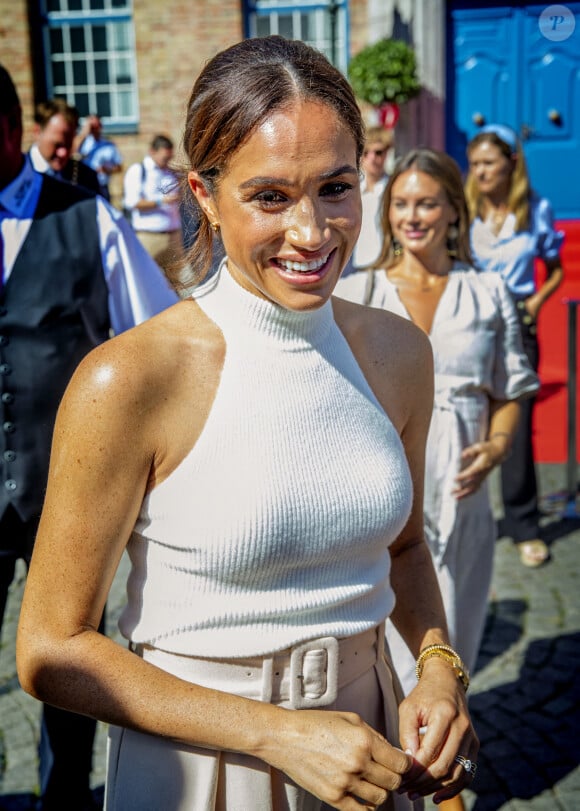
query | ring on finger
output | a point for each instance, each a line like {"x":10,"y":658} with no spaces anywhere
{"x":469,"y":765}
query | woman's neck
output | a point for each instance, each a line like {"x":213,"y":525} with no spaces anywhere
{"x":426,"y":274}
{"x":420,"y":286}
{"x":494,"y":211}
{"x":495,"y":201}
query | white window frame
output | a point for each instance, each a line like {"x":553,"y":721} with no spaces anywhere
{"x":319,"y":11}
{"x":122,"y":87}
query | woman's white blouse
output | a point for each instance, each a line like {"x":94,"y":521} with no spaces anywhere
{"x":478,"y":356}
{"x":512,"y":254}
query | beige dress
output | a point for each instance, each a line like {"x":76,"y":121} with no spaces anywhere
{"x":478,"y":355}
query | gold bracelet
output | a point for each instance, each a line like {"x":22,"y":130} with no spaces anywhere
{"x":447,"y":653}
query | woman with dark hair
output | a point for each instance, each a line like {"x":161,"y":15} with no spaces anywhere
{"x":425,"y":274}
{"x":258,"y":449}
{"x":511,"y":228}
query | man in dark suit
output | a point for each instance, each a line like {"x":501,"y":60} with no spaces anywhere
{"x":71,"y":271}
{"x":55,"y":126}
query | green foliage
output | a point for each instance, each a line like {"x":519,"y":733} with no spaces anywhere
{"x":384,"y":71}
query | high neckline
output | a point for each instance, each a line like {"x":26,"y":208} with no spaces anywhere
{"x":236,"y":309}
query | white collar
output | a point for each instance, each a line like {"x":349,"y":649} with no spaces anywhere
{"x":378,"y":187}
{"x":39,"y":163}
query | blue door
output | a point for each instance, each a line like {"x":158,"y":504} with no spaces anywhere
{"x":509,"y":64}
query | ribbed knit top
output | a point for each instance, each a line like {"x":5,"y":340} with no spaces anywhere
{"x":275,"y":527}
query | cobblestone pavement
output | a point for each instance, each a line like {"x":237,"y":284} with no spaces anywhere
{"x":524,"y":699}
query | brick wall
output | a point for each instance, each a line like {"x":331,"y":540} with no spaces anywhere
{"x":15,"y":56}
{"x":173,"y":42}
{"x":358,"y":25}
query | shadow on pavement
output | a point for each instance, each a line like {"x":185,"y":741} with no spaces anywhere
{"x":28,"y":802}
{"x":17,"y":802}
{"x":529,"y":728}
{"x":503,"y":628}
{"x":559,"y":529}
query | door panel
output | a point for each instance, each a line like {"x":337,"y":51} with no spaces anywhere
{"x":551,"y":109}
{"x":484,"y":65}
{"x":502,"y":69}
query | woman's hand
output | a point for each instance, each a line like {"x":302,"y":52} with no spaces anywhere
{"x":337,"y":757}
{"x":533,"y":305}
{"x":435,"y":728}
{"x":478,"y":460}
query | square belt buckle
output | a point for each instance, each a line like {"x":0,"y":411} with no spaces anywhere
{"x":314,"y":673}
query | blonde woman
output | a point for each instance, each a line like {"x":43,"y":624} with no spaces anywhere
{"x":511,"y":228}
{"x":425,"y":274}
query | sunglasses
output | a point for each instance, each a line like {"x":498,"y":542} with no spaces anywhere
{"x":378,"y":152}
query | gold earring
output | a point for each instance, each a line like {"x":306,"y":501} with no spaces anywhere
{"x":215,"y":227}
{"x":452,"y":246}
{"x":397,"y":248}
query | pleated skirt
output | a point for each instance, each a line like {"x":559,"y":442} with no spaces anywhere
{"x":149,"y":773}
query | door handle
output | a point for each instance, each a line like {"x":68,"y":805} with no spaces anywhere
{"x":478,"y":119}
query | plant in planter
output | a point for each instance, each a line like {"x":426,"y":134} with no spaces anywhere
{"x":384,"y":75}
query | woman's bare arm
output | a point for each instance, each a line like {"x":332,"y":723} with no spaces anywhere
{"x":397,"y":360}
{"x":555,"y":275}
{"x":480,"y":458}
{"x":109,"y":445}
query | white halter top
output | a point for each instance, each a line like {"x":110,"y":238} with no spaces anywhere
{"x":275,"y":527}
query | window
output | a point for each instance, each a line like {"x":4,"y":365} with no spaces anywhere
{"x":90,"y":49}
{"x":320,"y":23}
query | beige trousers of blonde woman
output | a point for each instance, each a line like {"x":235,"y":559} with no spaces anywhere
{"x":153,"y":774}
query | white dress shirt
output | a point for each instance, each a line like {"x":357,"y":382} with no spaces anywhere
{"x":137,"y":287}
{"x":148,"y":181}
{"x":370,"y":240}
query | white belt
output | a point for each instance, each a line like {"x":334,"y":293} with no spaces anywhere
{"x":306,"y":676}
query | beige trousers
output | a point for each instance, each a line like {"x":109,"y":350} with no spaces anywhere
{"x":165,"y":248}
{"x":152,"y":774}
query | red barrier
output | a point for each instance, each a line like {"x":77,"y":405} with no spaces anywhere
{"x":550,"y":416}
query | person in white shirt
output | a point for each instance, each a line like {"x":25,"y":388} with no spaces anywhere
{"x":151,"y":194}
{"x":378,"y":145}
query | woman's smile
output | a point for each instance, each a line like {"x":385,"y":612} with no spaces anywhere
{"x":303,"y":272}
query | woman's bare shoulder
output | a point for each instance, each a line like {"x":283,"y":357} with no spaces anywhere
{"x":383,"y":333}
{"x":394,"y":355}
{"x":146,"y":363}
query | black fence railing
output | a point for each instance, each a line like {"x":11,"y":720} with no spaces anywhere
{"x":570,"y":510}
